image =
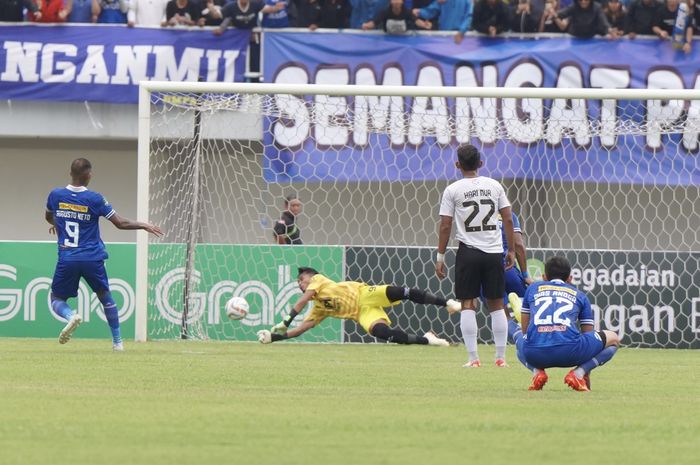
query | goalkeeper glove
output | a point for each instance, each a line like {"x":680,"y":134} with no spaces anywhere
{"x":279,"y":328}
{"x":264,"y":336}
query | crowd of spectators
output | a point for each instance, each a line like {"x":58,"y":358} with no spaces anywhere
{"x":580,"y":18}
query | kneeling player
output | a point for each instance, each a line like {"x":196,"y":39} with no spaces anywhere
{"x":551,"y":311}
{"x":355,"y":301}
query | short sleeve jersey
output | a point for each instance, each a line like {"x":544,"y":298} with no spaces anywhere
{"x":337,"y":300}
{"x":474,"y":204}
{"x":555,"y":308}
{"x":243,"y":19}
{"x":76,"y":212}
{"x":286,"y":226}
{"x":516,"y":229}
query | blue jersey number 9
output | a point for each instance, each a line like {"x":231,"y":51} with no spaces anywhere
{"x":73,"y":232}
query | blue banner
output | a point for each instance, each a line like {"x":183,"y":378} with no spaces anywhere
{"x":387,"y":139}
{"x":105,"y":63}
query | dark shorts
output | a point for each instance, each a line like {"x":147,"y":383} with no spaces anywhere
{"x":514,"y":283}
{"x":477,"y":271}
{"x":67,"y":276}
{"x":587,"y":346}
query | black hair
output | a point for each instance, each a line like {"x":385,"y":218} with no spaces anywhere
{"x":557,"y":267}
{"x":469,"y":157}
{"x":306,"y":270}
{"x":80,"y":167}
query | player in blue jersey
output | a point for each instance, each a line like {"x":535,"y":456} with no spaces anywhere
{"x":74,"y":212}
{"x":517,"y":278}
{"x":551,"y":313}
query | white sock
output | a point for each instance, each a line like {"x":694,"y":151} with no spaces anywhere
{"x":499,"y":328}
{"x":579,"y":372}
{"x":467,"y":323}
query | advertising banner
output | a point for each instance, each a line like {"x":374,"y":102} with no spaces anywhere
{"x":650,"y":299}
{"x":105,"y":63}
{"x":26,"y":269}
{"x":264,"y":275}
{"x":389,"y":139}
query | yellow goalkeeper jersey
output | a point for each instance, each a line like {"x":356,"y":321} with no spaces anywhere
{"x":338,"y":300}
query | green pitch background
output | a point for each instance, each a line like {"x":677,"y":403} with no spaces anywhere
{"x":185,"y":402}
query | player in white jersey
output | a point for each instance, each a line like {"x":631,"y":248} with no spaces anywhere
{"x":474,"y":203}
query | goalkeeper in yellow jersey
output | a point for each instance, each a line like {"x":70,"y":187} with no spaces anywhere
{"x":356,"y":301}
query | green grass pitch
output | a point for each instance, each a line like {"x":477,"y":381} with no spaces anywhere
{"x":243,"y":403}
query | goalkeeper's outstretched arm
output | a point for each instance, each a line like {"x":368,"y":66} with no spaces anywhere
{"x":266,"y":336}
{"x":280,"y":332}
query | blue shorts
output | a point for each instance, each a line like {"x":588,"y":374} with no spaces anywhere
{"x":514,"y":283}
{"x":571,"y":354}
{"x":67,"y":276}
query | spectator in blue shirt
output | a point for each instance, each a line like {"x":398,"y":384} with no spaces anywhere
{"x":453,"y":15}
{"x":365,"y":10}
{"x":278,"y":18}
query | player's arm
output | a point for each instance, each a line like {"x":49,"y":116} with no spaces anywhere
{"x":586,"y":318}
{"x":279,"y":332}
{"x":444,"y":231}
{"x":521,"y":256}
{"x":280,"y":232}
{"x":298,"y":331}
{"x":48,"y":216}
{"x":524,"y":322}
{"x":306,"y":297}
{"x":507,"y":218}
{"x":125,"y":223}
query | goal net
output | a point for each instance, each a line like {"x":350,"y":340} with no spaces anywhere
{"x":607,"y":178}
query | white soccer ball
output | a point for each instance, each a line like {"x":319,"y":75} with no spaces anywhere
{"x":237,"y":308}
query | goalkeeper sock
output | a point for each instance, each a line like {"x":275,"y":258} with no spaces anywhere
{"x":382,"y":331}
{"x":394,"y":293}
{"x":499,"y":328}
{"x":467,"y":323}
{"x":603,"y":356}
{"x":112,"y":315}
{"x":62,"y":309}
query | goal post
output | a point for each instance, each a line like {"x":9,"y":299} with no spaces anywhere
{"x":608,"y":177}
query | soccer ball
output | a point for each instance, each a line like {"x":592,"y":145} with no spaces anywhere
{"x":237,"y":308}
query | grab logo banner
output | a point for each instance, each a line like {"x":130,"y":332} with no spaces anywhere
{"x":26,"y":271}
{"x":265,"y":276}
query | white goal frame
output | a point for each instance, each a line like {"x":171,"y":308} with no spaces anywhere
{"x":144,"y":121}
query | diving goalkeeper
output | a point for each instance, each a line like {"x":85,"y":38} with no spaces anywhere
{"x":355,"y":301}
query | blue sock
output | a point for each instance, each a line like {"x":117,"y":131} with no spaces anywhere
{"x":516,"y":334}
{"x":513,"y":328}
{"x":62,"y":309}
{"x":112,"y":314}
{"x":600,"y":359}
